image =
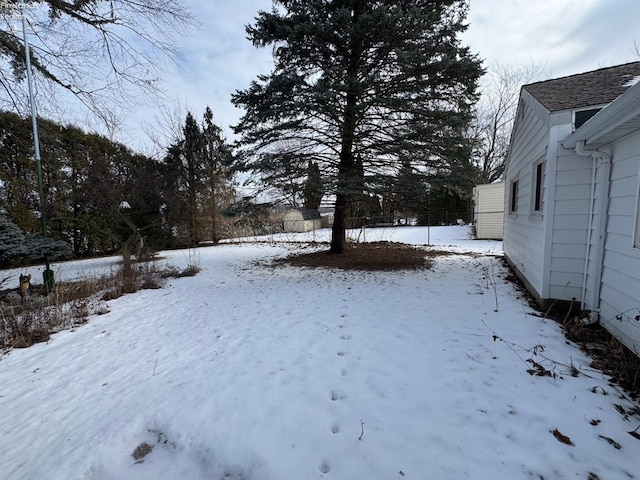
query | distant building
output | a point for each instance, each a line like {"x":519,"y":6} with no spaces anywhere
{"x":302,"y":220}
{"x":488,"y":211}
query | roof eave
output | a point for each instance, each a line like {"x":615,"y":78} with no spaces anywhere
{"x":608,"y":125}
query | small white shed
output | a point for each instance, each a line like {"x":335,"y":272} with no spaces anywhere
{"x":302,"y":220}
{"x":488,"y":210}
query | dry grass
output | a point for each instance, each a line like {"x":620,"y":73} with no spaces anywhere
{"x":29,"y":320}
{"x":608,"y":353}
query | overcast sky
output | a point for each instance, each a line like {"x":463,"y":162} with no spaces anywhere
{"x":567,"y":36}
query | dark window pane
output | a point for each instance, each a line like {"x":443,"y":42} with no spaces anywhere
{"x":538,"y":193}
{"x":582,"y":116}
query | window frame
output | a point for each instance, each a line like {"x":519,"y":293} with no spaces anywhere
{"x":513,"y":196}
{"x":591,"y":111}
{"x":537,"y":194}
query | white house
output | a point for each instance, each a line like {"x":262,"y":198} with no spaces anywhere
{"x":488,"y":211}
{"x":571,"y":228}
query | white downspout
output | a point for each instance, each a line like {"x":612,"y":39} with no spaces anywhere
{"x":605,"y":159}
{"x":592,"y":195}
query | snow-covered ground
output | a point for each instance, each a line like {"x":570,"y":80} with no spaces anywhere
{"x":457,"y":238}
{"x":247,"y":371}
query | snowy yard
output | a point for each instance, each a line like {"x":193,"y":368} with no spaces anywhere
{"x":247,"y":371}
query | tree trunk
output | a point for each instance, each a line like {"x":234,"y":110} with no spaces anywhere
{"x":215,"y":236}
{"x":346,"y":165}
{"x":345,"y":184}
{"x":194,"y":239}
{"x":338,"y":230}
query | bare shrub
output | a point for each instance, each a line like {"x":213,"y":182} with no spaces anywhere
{"x":23,"y":330}
{"x":190,"y":271}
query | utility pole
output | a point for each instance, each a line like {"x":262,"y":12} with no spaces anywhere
{"x":47,"y":275}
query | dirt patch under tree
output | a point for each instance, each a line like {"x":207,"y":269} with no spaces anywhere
{"x":373,"y":256}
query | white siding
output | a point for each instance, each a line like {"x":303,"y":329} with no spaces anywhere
{"x":523,"y":241}
{"x":620,"y":293}
{"x":489,"y":211}
{"x":573,"y":186}
{"x":595,"y":236}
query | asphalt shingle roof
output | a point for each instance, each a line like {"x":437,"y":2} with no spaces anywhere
{"x":588,"y":89}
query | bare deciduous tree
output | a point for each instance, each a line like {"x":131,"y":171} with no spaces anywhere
{"x":93,"y":50}
{"x":166,"y":127}
{"x":495,"y":113}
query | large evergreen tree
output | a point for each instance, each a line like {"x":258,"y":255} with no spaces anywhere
{"x":218,"y":159}
{"x":18,"y":195}
{"x":313,"y":187}
{"x":360,"y":80}
{"x":86,"y":177}
{"x":192,"y":150}
{"x":197,"y":184}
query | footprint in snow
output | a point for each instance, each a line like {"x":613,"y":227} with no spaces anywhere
{"x":324,"y":467}
{"x":336,"y":395}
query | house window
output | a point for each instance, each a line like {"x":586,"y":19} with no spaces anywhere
{"x":513,"y":201}
{"x":580,"y":117}
{"x":537,"y":187}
